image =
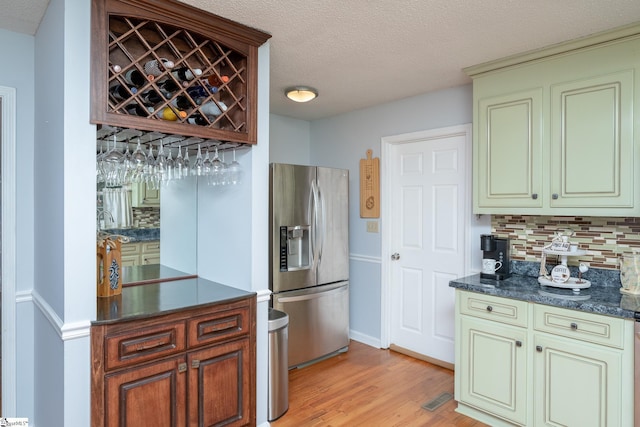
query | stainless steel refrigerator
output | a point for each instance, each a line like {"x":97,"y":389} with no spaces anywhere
{"x":309,"y":253}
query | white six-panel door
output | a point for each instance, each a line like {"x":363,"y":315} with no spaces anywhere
{"x":428,"y":183}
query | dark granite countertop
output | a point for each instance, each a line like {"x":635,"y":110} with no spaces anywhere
{"x":142,"y":301}
{"x":136,"y":234}
{"x":605,"y":300}
{"x":150,"y":273}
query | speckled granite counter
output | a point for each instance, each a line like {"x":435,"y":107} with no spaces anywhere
{"x":136,"y":234}
{"x":597,"y":299}
{"x":138,"y":302}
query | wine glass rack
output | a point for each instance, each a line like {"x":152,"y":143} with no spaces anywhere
{"x":160,"y":65}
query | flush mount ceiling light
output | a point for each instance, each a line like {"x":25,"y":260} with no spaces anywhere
{"x":301,"y":93}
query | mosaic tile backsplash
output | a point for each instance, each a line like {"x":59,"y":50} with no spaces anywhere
{"x":604,"y":239}
{"x":146,"y":217}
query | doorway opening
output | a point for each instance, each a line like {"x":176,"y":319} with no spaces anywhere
{"x":428,"y":223}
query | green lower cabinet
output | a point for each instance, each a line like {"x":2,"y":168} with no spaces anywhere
{"x":576,"y":384}
{"x":494,"y":368}
{"x":529,"y":364}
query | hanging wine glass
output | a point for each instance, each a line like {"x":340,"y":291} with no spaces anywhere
{"x":234,"y":170}
{"x":113,"y":160}
{"x":197,"y":164}
{"x":170,"y":166}
{"x":161,"y":165}
{"x":138,"y":162}
{"x":224,"y":173}
{"x":179,"y":164}
{"x":206,"y":164}
{"x":187,"y":167}
{"x":217,"y":168}
{"x":100,"y":173}
{"x":149,"y":169}
{"x":127,"y":167}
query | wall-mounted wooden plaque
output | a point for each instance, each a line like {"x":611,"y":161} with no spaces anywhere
{"x":370,"y":186}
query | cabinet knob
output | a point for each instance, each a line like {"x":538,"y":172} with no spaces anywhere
{"x":489,"y":308}
{"x":554,"y":196}
{"x":534,"y":196}
{"x":574,"y":326}
{"x":539,"y":348}
{"x":518,"y":343}
{"x":182,"y":367}
{"x":195,"y":363}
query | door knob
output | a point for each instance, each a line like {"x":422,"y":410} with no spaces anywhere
{"x":395,"y":256}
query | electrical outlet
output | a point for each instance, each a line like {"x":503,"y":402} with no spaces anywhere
{"x":372,"y":226}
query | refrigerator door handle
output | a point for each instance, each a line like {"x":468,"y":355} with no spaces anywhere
{"x":311,"y":296}
{"x":322,"y":223}
{"x":314,"y":201}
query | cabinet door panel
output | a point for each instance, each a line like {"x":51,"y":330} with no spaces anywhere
{"x":576,"y":384}
{"x":151,"y":395}
{"x":592,"y":142}
{"x":219,"y":385}
{"x":508,"y":150}
{"x":493,"y":368}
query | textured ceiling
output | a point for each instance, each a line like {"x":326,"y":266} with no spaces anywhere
{"x":360,"y":53}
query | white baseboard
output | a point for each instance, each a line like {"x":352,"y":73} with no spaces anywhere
{"x":365,"y":339}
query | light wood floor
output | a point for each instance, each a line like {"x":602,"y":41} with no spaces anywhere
{"x":370,"y":387}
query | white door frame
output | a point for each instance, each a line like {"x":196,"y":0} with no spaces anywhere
{"x":9,"y":366}
{"x":385,"y":192}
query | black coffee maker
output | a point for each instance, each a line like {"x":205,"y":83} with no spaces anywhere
{"x":497,"y":249}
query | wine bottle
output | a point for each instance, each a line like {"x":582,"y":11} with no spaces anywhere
{"x":197,"y":119}
{"x":138,"y":110}
{"x":168,"y":114}
{"x":182,"y":102}
{"x":156,"y":68}
{"x":214,"y":80}
{"x":198,"y":91}
{"x":120,"y":92}
{"x":212,"y":108}
{"x":184,"y":73}
{"x":151,"y":97}
{"x":168,"y":87}
{"x":135,"y":78}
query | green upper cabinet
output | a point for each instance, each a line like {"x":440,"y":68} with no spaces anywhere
{"x":508,"y":150}
{"x":554,"y":130}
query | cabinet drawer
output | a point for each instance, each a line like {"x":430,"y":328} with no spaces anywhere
{"x":151,"y":247}
{"x":129,"y":249}
{"x":144,"y":344}
{"x":494,"y":308}
{"x":218,"y":326}
{"x":579,"y":325}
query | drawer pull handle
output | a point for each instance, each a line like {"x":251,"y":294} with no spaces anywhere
{"x":574,"y":326}
{"x":489,"y":308}
{"x":539,"y":348}
{"x":156,"y":344}
{"x":518,"y":343}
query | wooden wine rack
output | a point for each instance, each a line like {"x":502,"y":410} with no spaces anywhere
{"x":129,"y":33}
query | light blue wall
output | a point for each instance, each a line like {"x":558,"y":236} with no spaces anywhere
{"x":341,"y":141}
{"x":290,"y":140}
{"x":64,"y":221}
{"x":17,"y":72}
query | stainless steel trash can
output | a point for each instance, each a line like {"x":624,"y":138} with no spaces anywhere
{"x":278,"y":363}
